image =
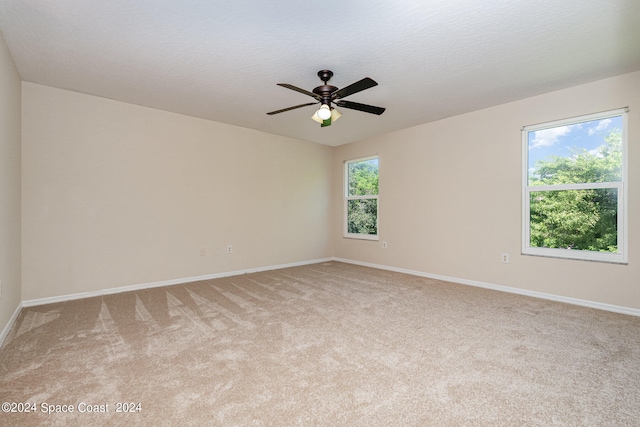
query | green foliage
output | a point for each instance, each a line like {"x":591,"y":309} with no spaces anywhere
{"x":362,"y":214}
{"x":578,"y":219}
{"x":363,"y":178}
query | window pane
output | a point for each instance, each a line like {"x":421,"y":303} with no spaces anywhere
{"x":575,"y":219}
{"x":585,"y":152}
{"x":362,"y":216}
{"x":363,"y":178}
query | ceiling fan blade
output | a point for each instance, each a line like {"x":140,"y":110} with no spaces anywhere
{"x":360,"y":107}
{"x":358,"y":86}
{"x":297,"y":89}
{"x":290,"y":108}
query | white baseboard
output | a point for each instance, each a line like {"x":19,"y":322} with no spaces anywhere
{"x":109,"y":291}
{"x":552,"y":297}
{"x":542,"y":295}
{"x":12,"y":320}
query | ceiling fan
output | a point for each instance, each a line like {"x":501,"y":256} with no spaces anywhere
{"x":326,"y":95}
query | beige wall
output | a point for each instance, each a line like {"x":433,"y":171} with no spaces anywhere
{"x":9,"y":185}
{"x":450,"y":198}
{"x":116,"y":194}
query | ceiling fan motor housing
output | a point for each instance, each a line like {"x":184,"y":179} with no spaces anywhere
{"x":325,"y":90}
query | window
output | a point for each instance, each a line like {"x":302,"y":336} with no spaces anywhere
{"x":574,"y":188}
{"x":361,"y":198}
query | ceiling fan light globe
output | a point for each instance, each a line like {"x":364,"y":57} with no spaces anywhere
{"x":324,"y":112}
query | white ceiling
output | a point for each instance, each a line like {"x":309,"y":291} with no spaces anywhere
{"x":221,"y":60}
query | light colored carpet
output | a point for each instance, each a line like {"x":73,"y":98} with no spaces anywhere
{"x":325,"y":344}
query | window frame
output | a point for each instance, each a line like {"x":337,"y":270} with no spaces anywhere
{"x":619,"y":257}
{"x":347,"y":198}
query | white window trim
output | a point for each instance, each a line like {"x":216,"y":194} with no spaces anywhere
{"x":345,"y":174}
{"x":620,"y":257}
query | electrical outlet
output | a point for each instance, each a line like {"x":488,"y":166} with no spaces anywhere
{"x":384,"y":245}
{"x":203,"y":251}
{"x":505,"y":258}
{"x":229,"y":249}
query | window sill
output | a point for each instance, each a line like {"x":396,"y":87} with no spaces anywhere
{"x":371,"y":237}
{"x":577,"y":255}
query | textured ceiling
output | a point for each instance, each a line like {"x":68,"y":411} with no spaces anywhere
{"x":221,"y":60}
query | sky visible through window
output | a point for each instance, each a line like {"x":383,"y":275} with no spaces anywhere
{"x":561,"y":140}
